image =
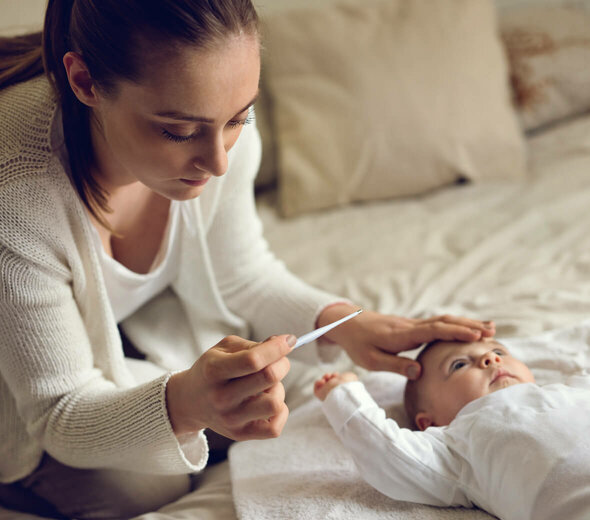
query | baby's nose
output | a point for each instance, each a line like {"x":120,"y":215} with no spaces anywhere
{"x":490,"y":358}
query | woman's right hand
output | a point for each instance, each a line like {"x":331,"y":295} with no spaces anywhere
{"x":234,"y":389}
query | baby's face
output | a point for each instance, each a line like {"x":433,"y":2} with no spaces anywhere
{"x":454,"y":374}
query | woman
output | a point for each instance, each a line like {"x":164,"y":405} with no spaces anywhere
{"x":126,"y":198}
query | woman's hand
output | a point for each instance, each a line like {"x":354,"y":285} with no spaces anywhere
{"x":234,"y":389}
{"x":372,"y":340}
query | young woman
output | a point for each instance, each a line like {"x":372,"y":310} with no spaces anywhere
{"x":127,"y":160}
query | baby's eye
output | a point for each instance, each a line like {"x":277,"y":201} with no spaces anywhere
{"x":457,"y":364}
{"x":500,"y":352}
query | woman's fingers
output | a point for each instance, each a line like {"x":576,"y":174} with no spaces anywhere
{"x":235,"y":390}
{"x":268,"y":428}
{"x":261,"y":406}
{"x":257,"y":417}
{"x":487,"y":328}
{"x":377,"y":359}
{"x":431,"y":331}
{"x":232,"y":384}
{"x":235,"y":357}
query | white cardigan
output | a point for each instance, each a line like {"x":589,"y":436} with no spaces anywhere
{"x":64,"y":384}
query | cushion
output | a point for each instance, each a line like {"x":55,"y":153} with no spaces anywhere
{"x":384,"y":99}
{"x":549,"y":53}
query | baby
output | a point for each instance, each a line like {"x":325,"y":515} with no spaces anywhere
{"x":489,"y":436}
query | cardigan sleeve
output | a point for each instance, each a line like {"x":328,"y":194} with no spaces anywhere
{"x":60,"y":358}
{"x":400,"y":463}
{"x":254,"y":284}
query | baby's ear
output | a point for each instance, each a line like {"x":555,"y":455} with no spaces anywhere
{"x":423,"y":421}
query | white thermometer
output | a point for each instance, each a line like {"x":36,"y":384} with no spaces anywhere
{"x":315,"y":334}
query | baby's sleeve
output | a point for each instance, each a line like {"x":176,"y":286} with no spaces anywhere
{"x":398,"y":462}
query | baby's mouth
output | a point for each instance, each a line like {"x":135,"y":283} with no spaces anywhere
{"x":499,"y":374}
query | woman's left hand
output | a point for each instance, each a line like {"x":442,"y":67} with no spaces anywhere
{"x":373,"y":340}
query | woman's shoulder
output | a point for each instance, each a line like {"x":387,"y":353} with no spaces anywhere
{"x":27,"y":111}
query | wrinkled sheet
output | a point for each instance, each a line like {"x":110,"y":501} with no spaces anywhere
{"x":517,"y":253}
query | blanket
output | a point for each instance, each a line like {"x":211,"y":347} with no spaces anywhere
{"x":307,"y":473}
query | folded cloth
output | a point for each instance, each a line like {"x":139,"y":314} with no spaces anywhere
{"x":307,"y":472}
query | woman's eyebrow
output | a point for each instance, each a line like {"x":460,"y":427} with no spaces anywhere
{"x":181,"y":116}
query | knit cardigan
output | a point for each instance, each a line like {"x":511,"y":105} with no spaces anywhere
{"x":64,"y":385}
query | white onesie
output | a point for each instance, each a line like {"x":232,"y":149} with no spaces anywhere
{"x":520,"y":453}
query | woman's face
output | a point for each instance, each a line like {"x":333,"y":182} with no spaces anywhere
{"x":172,"y":131}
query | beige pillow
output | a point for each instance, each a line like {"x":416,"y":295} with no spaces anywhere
{"x":549,"y":53}
{"x":387,"y":98}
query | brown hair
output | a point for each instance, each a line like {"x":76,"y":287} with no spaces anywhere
{"x":412,"y":393}
{"x":112,"y":36}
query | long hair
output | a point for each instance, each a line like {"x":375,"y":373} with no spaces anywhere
{"x":113,"y":37}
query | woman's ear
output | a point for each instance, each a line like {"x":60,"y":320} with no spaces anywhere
{"x":423,"y":421}
{"x":80,"y":79}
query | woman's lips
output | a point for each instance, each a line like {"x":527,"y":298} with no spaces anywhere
{"x":195,"y":182}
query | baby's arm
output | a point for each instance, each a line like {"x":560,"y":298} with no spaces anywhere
{"x":331,"y":380}
{"x":400,"y":463}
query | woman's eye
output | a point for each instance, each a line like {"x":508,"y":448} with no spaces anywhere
{"x":177,"y":138}
{"x":456,"y":365}
{"x":241,"y":122}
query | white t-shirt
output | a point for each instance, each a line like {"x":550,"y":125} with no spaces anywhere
{"x":128,"y":290}
{"x":520,"y":453}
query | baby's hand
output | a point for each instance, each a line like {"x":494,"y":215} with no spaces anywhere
{"x":324,"y":385}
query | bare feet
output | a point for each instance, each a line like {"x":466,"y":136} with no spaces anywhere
{"x":325,"y":384}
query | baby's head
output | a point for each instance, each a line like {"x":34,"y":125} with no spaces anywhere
{"x":455,"y":373}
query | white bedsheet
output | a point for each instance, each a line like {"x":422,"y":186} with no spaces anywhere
{"x":514,"y":252}
{"x":307,"y":472}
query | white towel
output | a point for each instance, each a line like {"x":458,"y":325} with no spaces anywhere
{"x":307,"y":472}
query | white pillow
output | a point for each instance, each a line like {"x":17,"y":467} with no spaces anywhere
{"x":384,"y":99}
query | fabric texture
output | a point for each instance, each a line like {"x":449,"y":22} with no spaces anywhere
{"x":308,"y":473}
{"x":387,"y":99}
{"x":497,"y":454}
{"x":64,"y":385}
{"x":128,"y":290}
{"x":549,"y":53}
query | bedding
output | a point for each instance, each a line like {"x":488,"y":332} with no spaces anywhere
{"x":516,"y":252}
{"x":307,"y":473}
{"x":513,"y":250}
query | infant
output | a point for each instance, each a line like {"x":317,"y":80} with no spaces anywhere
{"x":488,"y":436}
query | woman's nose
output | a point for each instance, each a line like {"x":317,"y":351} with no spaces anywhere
{"x":213,"y":158}
{"x":489,"y":358}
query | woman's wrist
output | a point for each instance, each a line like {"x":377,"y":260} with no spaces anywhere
{"x":331,"y":313}
{"x":181,"y":420}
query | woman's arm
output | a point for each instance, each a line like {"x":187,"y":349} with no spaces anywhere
{"x":68,"y":391}
{"x":254,"y":284}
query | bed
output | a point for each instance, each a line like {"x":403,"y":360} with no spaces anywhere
{"x":475,"y":201}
